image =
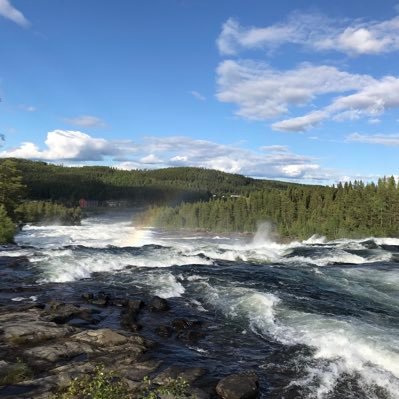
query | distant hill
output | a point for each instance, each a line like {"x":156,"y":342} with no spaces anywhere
{"x":170,"y":185}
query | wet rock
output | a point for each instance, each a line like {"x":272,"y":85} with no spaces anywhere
{"x":183,"y":324}
{"x":27,"y":328}
{"x":239,"y":386}
{"x":101,"y":337}
{"x":191,"y":336}
{"x":130,"y":314}
{"x":158,"y":304}
{"x":164,"y":331}
{"x":87,"y":296}
{"x":189,"y":375}
{"x":57,"y":351}
{"x":61,"y":313}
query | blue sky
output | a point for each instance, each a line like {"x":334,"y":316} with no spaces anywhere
{"x":295,"y":90}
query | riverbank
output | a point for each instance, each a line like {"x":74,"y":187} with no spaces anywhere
{"x":45,"y":346}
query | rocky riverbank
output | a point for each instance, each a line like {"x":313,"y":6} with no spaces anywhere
{"x":45,"y":346}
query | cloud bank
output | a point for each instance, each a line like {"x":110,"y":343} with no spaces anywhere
{"x":156,"y":152}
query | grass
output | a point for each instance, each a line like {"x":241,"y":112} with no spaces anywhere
{"x":14,"y":373}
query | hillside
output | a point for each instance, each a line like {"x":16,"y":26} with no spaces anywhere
{"x":171,"y":185}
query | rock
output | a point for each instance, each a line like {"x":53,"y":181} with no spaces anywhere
{"x":87,"y":296}
{"x":189,"y":375}
{"x":164,"y":331}
{"x":57,"y":351}
{"x":158,"y":304}
{"x":26,"y":328}
{"x":101,"y":337}
{"x":135,"y":305}
{"x":61,"y":313}
{"x":239,"y":386}
{"x":190,"y":336}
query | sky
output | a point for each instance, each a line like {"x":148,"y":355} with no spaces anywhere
{"x":304,"y":91}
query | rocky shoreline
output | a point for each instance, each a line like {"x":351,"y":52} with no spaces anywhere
{"x":44,"y":346}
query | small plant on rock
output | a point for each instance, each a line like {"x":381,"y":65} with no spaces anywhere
{"x":173,"y":388}
{"x":100,"y":385}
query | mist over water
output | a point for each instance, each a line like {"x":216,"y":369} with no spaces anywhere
{"x":316,"y":319}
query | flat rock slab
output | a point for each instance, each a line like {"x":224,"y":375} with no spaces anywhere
{"x":26,"y":327}
{"x":59,"y":350}
{"x":239,"y":386}
{"x":103,"y":337}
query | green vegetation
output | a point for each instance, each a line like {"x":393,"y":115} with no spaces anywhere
{"x":173,"y":388}
{"x":7,"y":226}
{"x":15,"y":372}
{"x":101,"y":384}
{"x":196,"y":198}
{"x":44,"y":212}
{"x":349,"y":210}
{"x":14,"y":211}
{"x":163,"y":186}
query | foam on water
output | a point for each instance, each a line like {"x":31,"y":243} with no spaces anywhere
{"x":342,"y":346}
{"x":167,"y":285}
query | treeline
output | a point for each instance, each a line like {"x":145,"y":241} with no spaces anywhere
{"x":44,"y":212}
{"x":16,"y":210}
{"x":346,"y":210}
{"x":163,"y":186}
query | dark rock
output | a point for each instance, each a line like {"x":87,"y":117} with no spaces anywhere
{"x":164,"y":331}
{"x":158,"y":304}
{"x":190,"y":336}
{"x":135,"y":304}
{"x":87,"y":296}
{"x":239,"y":386}
{"x":183,"y":324}
{"x":190,"y":375}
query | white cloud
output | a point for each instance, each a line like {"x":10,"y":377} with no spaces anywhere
{"x":381,"y":139}
{"x":314,"y":31}
{"x":77,"y":148}
{"x":300,"y":123}
{"x":70,"y":145}
{"x":11,"y":13}
{"x":197,"y":95}
{"x":261,"y":92}
{"x":269,"y":161}
{"x":151,"y":159}
{"x":87,"y":121}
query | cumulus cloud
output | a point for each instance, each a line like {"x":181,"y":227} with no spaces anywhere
{"x":70,"y":145}
{"x":197,"y":95}
{"x":261,"y":92}
{"x":86,"y":121}
{"x":314,"y":31}
{"x":371,"y":101}
{"x":275,"y":161}
{"x":381,"y":139}
{"x":269,"y":161}
{"x":8,"y":11}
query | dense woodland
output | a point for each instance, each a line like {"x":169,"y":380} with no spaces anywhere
{"x":195,"y":198}
{"x":16,"y":208}
{"x":171,"y":185}
{"x":349,"y":210}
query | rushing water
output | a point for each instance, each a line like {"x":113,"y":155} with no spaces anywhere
{"x":314,"y":319}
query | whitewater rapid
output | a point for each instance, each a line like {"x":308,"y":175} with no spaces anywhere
{"x":338,"y":299}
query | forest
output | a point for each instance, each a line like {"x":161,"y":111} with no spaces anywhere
{"x":196,"y":198}
{"x":347,"y":210}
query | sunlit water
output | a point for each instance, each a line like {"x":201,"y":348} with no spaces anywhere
{"x":314,"y":319}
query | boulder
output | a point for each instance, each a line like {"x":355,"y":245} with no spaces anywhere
{"x":239,"y":386}
{"x":158,"y":304}
{"x":164,"y":331}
